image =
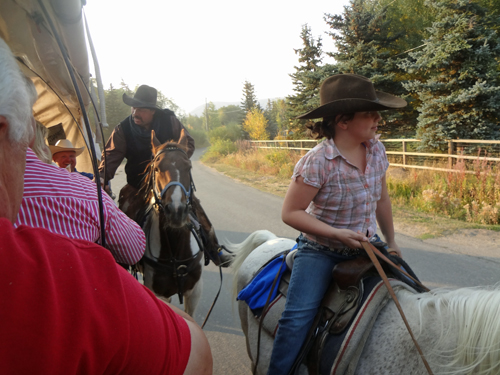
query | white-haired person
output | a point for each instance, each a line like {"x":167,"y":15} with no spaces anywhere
{"x":68,"y":308}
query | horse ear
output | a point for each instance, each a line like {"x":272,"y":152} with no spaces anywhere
{"x":154,"y":141}
{"x":183,"y":140}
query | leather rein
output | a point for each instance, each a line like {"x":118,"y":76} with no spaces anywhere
{"x":373,"y":253}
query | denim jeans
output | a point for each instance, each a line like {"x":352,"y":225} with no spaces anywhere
{"x":310,"y":278}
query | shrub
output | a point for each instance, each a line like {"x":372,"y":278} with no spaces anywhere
{"x":231,"y":132}
{"x":219,"y":149}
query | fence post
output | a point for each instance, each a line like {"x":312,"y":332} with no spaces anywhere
{"x":451,"y":147}
{"x":404,"y":153}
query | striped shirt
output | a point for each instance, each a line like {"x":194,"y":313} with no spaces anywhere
{"x":347,"y":197}
{"x":66,"y":203}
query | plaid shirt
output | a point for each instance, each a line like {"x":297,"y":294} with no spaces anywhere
{"x":66,"y":203}
{"x":347,"y":198}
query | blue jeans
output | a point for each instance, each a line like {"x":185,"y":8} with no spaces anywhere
{"x":311,"y":276}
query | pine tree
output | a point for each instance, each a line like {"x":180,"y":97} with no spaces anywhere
{"x":460,"y":85}
{"x":306,"y":80}
{"x":365,"y":46}
{"x":270,"y":114}
{"x":249,"y":99}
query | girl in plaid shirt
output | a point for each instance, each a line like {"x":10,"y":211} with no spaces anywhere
{"x":337,"y":194}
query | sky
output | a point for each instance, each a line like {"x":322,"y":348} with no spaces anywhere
{"x":197,"y":51}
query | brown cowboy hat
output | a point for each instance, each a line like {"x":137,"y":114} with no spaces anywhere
{"x":144,"y":97}
{"x":65,"y":145}
{"x":350,"y":93}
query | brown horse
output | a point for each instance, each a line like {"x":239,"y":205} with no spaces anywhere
{"x":173,"y":260}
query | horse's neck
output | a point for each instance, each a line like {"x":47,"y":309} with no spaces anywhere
{"x":454,"y":330}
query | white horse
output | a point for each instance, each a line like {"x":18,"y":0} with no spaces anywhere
{"x":458,"y":330}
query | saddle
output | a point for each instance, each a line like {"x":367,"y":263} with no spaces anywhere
{"x":354,"y":284}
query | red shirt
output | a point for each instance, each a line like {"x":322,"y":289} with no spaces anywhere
{"x":66,"y":203}
{"x":68,"y":308}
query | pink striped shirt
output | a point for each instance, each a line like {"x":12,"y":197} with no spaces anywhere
{"x":66,"y":203}
{"x":347,"y":197}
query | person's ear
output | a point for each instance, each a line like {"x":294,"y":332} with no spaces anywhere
{"x":341,"y":122}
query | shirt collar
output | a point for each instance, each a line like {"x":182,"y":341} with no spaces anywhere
{"x":30,"y":155}
{"x":332,"y":151}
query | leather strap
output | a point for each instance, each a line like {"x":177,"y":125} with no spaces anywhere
{"x":390,"y":262}
{"x":370,"y":250}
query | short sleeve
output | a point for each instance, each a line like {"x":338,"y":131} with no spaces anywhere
{"x":312,"y":168}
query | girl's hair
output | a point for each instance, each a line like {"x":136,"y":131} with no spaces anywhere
{"x":40,"y":147}
{"x":326,"y":128}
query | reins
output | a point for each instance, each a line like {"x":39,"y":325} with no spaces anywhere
{"x":371,"y":251}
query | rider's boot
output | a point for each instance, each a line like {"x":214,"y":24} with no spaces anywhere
{"x":216,"y":253}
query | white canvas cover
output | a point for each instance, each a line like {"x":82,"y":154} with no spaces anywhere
{"x":25,"y":26}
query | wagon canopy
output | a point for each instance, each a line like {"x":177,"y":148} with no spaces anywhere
{"x":31,"y":29}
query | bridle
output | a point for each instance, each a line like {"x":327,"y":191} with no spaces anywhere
{"x":179,"y":268}
{"x":158,"y":196}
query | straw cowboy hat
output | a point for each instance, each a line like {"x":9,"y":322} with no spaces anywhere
{"x":65,"y":145}
{"x":144,"y":97}
{"x":349,"y":93}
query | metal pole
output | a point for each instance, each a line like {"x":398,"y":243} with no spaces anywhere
{"x":85,"y":118}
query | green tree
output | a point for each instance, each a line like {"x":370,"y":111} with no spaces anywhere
{"x":281,"y":117}
{"x":306,"y":80}
{"x":365,"y":45}
{"x":459,"y":86}
{"x":211,"y":115}
{"x":255,"y":124}
{"x":249,"y":100}
{"x":194,"y":122}
{"x":270,"y":115}
{"x":231,"y":114}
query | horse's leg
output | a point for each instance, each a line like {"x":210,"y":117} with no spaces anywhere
{"x":192,"y":297}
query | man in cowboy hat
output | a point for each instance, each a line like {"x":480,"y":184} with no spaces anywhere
{"x":131,"y":139}
{"x":64,"y":155}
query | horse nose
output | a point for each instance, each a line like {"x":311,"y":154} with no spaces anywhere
{"x":177,"y":213}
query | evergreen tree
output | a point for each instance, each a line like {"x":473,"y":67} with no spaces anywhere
{"x":281,"y":118}
{"x":365,"y":45}
{"x":270,"y":115}
{"x":460,"y":85}
{"x":306,"y":80}
{"x":249,"y":99}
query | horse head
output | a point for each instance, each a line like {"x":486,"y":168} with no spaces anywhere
{"x":169,"y":180}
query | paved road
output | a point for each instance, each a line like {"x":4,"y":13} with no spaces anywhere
{"x":237,"y":210}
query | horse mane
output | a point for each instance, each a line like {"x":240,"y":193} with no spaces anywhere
{"x":468,"y":316}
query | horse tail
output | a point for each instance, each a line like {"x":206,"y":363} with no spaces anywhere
{"x":243,"y":249}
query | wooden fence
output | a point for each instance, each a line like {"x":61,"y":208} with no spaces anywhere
{"x":404,"y":152}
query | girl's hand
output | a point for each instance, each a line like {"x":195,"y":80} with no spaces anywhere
{"x":349,"y":238}
{"x":394,"y":248}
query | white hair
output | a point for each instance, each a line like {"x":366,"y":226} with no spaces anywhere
{"x":17,"y":96}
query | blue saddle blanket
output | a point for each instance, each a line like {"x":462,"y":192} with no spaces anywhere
{"x":256,"y":293}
